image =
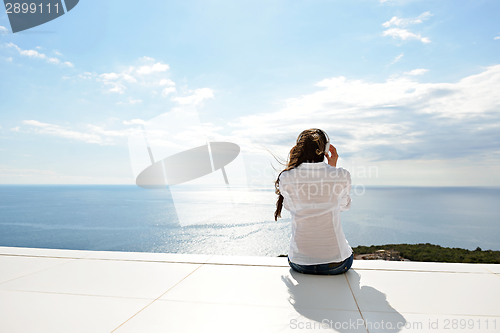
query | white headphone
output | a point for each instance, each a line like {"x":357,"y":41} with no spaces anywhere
{"x":327,"y":145}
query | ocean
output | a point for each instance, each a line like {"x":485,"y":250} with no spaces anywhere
{"x":129,"y":218}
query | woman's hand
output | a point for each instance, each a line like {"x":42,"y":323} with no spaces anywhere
{"x":334,"y":156}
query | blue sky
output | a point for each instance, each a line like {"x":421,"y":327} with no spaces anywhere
{"x":408,"y":88}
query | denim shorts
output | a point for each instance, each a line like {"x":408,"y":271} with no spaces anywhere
{"x":323,"y":269}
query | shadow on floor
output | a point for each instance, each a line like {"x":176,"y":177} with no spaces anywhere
{"x":317,"y":298}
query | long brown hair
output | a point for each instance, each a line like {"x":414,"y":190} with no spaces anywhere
{"x":310,"y":147}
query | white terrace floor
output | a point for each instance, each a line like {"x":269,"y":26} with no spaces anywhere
{"x":43,"y":290}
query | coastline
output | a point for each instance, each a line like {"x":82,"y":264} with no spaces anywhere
{"x":424,"y":252}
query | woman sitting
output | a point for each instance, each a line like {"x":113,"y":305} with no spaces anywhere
{"x":315,"y":193}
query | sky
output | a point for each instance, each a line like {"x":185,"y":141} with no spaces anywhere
{"x":406,"y":89}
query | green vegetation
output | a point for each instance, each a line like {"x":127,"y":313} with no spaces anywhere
{"x":435,"y":253}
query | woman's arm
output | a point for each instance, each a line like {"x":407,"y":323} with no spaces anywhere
{"x":345,"y":196}
{"x":332,"y":160}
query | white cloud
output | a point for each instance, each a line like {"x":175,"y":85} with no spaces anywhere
{"x":196,"y":98}
{"x":117,"y":88}
{"x":134,"y":122}
{"x":404,"y":22}
{"x":3,"y":29}
{"x":118,"y":82}
{"x":399,"y":119}
{"x":397,"y":58}
{"x":36,"y":54}
{"x":405,"y":35}
{"x":86,"y":75}
{"x":128,"y":78}
{"x":146,"y":59}
{"x":93,"y":134}
{"x":109,"y":76}
{"x":156,"y":68}
{"x":53,"y":61}
{"x":29,"y":53}
{"x":130,"y":101}
{"x":166,"y":82}
{"x":498,"y":37}
{"x":396,"y":119}
{"x":108,"y":133}
{"x":15,"y":129}
{"x":168,"y":91}
{"x":418,"y":71}
{"x":9,"y":59}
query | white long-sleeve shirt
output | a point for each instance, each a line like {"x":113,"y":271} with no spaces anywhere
{"x":315,"y":194}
